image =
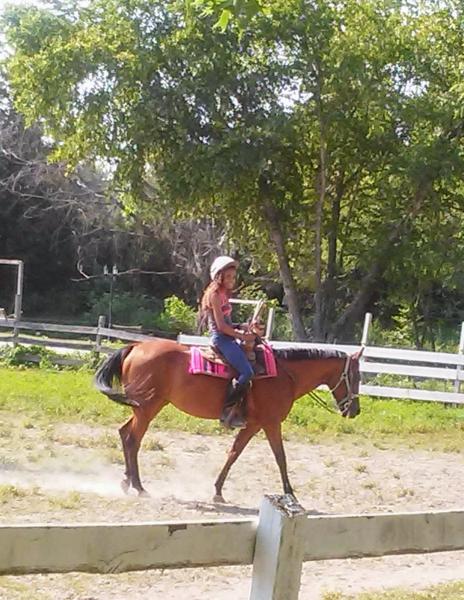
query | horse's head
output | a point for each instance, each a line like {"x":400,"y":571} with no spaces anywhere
{"x":344,"y":385}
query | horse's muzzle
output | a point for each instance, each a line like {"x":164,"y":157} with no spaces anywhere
{"x":352,"y":408}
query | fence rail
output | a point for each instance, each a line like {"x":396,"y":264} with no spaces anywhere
{"x":416,"y":365}
{"x":276,"y":544}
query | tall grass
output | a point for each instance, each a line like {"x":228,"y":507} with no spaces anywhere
{"x":70,"y":396}
{"x":453,"y":591}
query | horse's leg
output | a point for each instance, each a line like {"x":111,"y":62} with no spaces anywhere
{"x":124,"y":432}
{"x":138,"y":426}
{"x":241,"y":440}
{"x":274,"y":436}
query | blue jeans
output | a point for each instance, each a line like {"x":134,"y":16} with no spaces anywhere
{"x":234,"y":355}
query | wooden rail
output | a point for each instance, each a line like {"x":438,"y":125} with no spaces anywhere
{"x":276,"y":544}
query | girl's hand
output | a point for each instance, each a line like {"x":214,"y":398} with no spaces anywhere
{"x":249,"y":337}
{"x":258,"y":328}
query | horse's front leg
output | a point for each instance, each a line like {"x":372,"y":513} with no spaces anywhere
{"x":274,"y":437}
{"x":240,"y":442}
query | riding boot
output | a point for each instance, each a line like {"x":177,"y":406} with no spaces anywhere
{"x":233,"y":411}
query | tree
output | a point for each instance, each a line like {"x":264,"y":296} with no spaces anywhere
{"x":320,"y":139}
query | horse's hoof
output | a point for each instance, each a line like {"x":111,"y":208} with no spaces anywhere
{"x":144,"y":494}
{"x":125,"y":485}
{"x":219,"y":499}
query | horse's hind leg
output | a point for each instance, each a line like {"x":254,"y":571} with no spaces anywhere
{"x":133,"y":432}
{"x":124,"y":433}
{"x":240,"y":442}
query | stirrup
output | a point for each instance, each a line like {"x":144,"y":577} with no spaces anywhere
{"x":233,"y":421}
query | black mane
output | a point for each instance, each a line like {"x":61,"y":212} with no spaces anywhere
{"x":307,"y":353}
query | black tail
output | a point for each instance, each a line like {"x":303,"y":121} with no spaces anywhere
{"x":111,"y":368}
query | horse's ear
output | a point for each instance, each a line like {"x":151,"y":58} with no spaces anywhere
{"x":357,"y":355}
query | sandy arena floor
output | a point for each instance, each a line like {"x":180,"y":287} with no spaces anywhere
{"x":72,"y":474}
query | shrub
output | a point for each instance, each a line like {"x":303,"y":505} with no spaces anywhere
{"x":177,"y":316}
{"x":126,"y":308}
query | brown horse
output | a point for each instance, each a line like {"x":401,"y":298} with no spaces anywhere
{"x":154,"y":374}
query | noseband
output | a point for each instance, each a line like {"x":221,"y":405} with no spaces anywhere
{"x":345,"y":403}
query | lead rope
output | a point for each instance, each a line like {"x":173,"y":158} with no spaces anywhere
{"x":321,"y":402}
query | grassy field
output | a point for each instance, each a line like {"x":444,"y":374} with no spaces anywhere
{"x":70,"y":396}
{"x":454,"y":591}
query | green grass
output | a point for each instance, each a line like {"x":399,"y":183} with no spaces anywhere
{"x":70,"y":396}
{"x":453,"y":591}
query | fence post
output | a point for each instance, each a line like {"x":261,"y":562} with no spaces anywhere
{"x":279,"y":550}
{"x":270,"y":323}
{"x":457,"y":383}
{"x":18,"y":300}
{"x":367,"y":325}
{"x":98,"y":337}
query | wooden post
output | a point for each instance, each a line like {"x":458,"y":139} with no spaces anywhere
{"x":98,"y":337}
{"x":457,"y":383}
{"x":365,"y":333}
{"x":270,"y":323}
{"x":279,"y":550}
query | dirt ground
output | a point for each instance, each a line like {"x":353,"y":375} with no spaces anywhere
{"x":71,"y":473}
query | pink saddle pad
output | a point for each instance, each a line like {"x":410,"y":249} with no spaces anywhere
{"x":199,"y":365}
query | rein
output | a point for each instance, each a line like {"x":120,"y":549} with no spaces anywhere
{"x":346,"y":402}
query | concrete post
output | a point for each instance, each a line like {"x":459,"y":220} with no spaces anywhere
{"x":279,"y":550}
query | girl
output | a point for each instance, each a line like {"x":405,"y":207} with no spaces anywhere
{"x":224,"y":335}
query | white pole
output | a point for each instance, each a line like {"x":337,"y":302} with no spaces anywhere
{"x":365,"y":333}
{"x":98,"y":337}
{"x":279,"y":550}
{"x":18,"y":299}
{"x":457,"y":383}
{"x":270,"y":323}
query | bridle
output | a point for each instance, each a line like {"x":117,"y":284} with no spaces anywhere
{"x":345,"y":403}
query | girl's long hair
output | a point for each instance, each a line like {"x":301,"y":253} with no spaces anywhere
{"x":205,"y":302}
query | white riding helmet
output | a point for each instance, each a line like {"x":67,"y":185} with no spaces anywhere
{"x":220,"y":263}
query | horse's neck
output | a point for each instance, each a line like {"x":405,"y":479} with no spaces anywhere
{"x":310,"y":373}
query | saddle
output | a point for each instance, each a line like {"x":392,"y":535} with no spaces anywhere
{"x":255,"y":356}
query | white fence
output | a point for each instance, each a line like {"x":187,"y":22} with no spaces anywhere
{"x":447,"y":368}
{"x":417,"y":364}
{"x":276,"y":544}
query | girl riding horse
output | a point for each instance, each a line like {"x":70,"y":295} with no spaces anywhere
{"x":215,"y":306}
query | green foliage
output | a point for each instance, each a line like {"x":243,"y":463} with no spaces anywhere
{"x":401,"y":335}
{"x":407,"y":331}
{"x":33,"y":355}
{"x":240,"y":12}
{"x":127,"y":308}
{"x":177,"y":316}
{"x":282,"y":326}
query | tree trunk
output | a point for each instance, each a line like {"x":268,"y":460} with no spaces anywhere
{"x":277,"y":238}
{"x":319,"y":308}
{"x":345,"y":323}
